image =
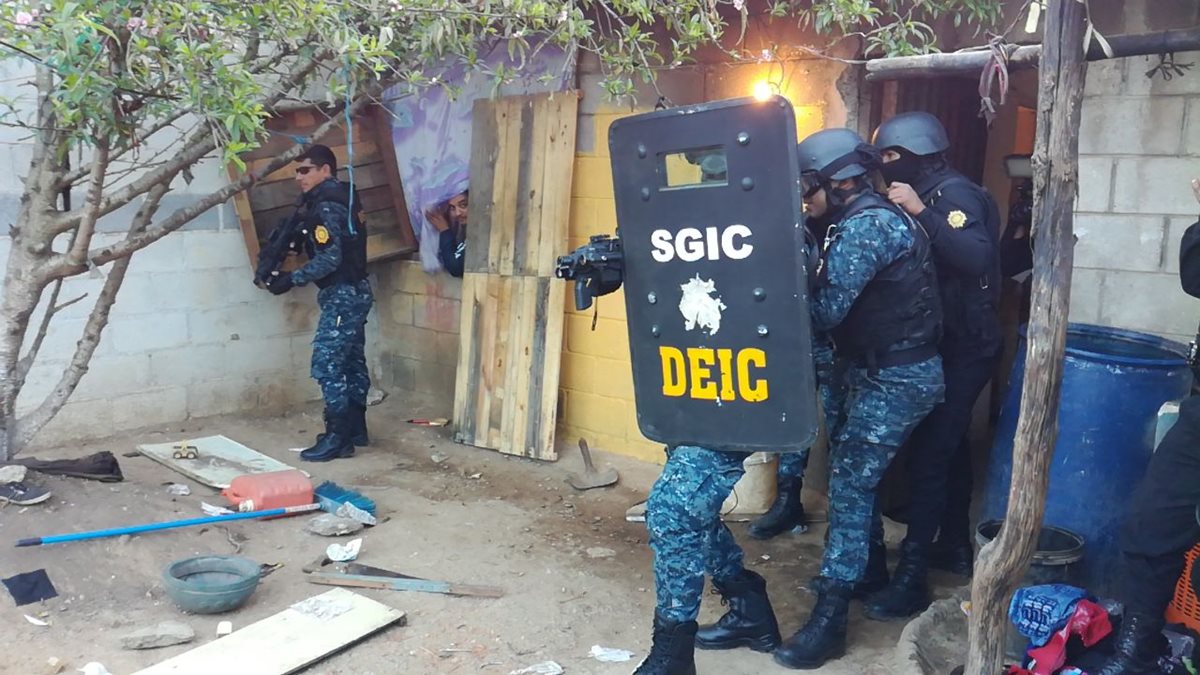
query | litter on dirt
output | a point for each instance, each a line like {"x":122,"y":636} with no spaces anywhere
{"x":36,"y":621}
{"x":344,"y":552}
{"x":610,"y":655}
{"x":179,"y":490}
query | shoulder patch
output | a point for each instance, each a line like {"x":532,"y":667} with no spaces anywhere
{"x":956,"y":219}
{"x":321,"y":234}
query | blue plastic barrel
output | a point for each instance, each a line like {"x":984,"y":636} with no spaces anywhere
{"x":1114,"y":382}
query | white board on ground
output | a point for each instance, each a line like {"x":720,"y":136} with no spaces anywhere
{"x":220,"y":460}
{"x":286,"y":642}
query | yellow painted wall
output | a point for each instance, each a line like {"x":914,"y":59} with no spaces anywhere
{"x":597,"y":380}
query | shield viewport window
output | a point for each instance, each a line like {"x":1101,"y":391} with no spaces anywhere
{"x":700,"y":167}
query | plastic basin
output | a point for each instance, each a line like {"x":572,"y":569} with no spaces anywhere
{"x":211,"y":584}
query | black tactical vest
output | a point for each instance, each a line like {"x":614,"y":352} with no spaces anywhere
{"x":897,"y":319}
{"x":354,"y":246}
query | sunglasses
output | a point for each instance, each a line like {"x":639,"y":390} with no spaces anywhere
{"x":303,"y":170}
{"x":810,"y":184}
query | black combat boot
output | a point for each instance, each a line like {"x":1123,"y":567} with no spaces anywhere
{"x":358,"y":428}
{"x":673,"y":651}
{"x":953,"y":557}
{"x":823,"y":638}
{"x":1139,"y":644}
{"x":750,"y":621}
{"x":334,"y":443}
{"x":908,"y":593}
{"x":787,"y":513}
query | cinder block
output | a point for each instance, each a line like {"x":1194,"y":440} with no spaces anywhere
{"x":295,"y":315}
{"x":597,"y":440}
{"x":1119,"y":242}
{"x":411,"y":342}
{"x":165,"y":255}
{"x":1131,"y":126}
{"x":613,"y":378}
{"x":1095,"y":184}
{"x":436,"y":313}
{"x":599,"y":414}
{"x":42,"y":378}
{"x":1177,"y":226}
{"x":413,"y":279}
{"x":1087,"y":295}
{"x":140,"y":334}
{"x":576,"y":372}
{"x":81,"y":419}
{"x":150,"y":407}
{"x":449,"y":287}
{"x":207,"y":249}
{"x":606,"y":215}
{"x":1137,"y":83}
{"x":592,"y":178}
{"x":610,"y":339}
{"x":1191,"y":132}
{"x":184,"y":365}
{"x":256,"y":356}
{"x":645,"y":450}
{"x":603,"y":121}
{"x":583,"y":217}
{"x":585,"y":135}
{"x":219,"y":396}
{"x":114,"y":376}
{"x":399,"y":308}
{"x":1104,"y":78}
{"x":1155,"y":185}
{"x":1149,"y":302}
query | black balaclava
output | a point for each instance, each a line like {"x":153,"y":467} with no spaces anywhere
{"x":910,"y":168}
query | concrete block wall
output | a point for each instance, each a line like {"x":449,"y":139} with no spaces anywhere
{"x":418,"y":330}
{"x":189,"y":334}
{"x":1139,"y":148}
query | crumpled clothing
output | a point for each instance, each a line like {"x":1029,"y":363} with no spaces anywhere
{"x":1039,"y":611}
{"x":1090,"y":622}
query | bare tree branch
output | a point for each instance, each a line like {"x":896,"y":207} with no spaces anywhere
{"x":52,"y":308}
{"x":91,"y":207}
{"x":30,"y":424}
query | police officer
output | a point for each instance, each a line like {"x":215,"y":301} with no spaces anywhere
{"x":963,"y":224}
{"x":336,"y":244}
{"x":876,"y":298}
{"x":1160,"y":527}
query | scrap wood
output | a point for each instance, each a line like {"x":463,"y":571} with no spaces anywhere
{"x":289,"y":641}
{"x":390,"y":583}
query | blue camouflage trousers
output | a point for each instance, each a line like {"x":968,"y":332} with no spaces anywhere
{"x":339,"y":364}
{"x":869,"y":414}
{"x":687,"y":535}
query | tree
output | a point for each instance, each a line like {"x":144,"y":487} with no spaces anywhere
{"x":112,"y":78}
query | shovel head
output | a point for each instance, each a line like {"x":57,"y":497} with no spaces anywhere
{"x":593,"y":479}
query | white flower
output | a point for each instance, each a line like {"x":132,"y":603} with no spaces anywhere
{"x":739,"y":4}
{"x":23,"y":19}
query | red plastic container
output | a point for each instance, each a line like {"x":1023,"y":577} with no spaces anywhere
{"x":273,"y":490}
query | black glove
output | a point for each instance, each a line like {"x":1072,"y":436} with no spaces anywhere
{"x":280,"y":283}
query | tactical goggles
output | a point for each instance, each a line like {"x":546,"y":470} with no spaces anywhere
{"x":810,"y":184}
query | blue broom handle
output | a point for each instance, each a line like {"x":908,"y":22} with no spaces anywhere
{"x":135,"y":529}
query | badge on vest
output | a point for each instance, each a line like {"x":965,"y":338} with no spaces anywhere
{"x":957,"y":219}
{"x":321,"y":235}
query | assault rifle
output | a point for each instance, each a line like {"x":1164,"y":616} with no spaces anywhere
{"x":284,"y":239}
{"x":596,"y":268}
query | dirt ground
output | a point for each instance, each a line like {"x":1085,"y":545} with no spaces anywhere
{"x":478,"y":517}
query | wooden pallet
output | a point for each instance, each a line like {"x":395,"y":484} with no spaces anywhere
{"x":523,"y":153}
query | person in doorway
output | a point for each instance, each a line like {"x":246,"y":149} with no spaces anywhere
{"x":1160,"y":526}
{"x":450,"y":220}
{"x":875,"y":298}
{"x":336,"y":243}
{"x":963,"y":225}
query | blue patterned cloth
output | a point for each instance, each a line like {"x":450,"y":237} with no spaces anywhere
{"x":1039,"y":611}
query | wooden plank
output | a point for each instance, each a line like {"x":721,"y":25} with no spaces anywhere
{"x":485,"y":148}
{"x":488,"y":335}
{"x":385,"y":142}
{"x":501,"y":386}
{"x":221,"y":460}
{"x":530,"y":186}
{"x":467,"y":376}
{"x":522,"y":347}
{"x":404,"y":584}
{"x":551,"y":357}
{"x":266,"y":196}
{"x":289,"y":641}
{"x":504,"y":212}
{"x":556,"y":190}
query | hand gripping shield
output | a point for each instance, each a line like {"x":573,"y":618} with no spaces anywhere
{"x":716,"y":290}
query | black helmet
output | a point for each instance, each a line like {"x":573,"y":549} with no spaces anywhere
{"x":834,"y":154}
{"x":917,"y":132}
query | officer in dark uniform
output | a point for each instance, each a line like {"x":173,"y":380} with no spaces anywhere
{"x":336,"y":244}
{"x":963,"y":225}
{"x":876,"y":299}
{"x":1160,"y":527}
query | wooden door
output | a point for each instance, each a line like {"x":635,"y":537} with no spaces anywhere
{"x":522,"y":157}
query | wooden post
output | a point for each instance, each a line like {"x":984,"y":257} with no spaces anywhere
{"x":1003,"y":562}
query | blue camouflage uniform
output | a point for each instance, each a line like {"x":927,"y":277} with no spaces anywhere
{"x":337,"y":265}
{"x":869,"y":411}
